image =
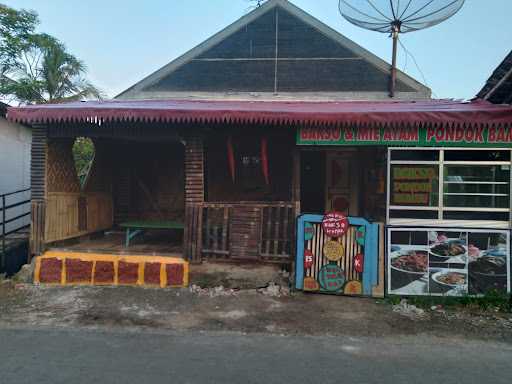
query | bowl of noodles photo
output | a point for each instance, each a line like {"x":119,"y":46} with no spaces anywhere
{"x":407,"y":267}
{"x":448,"y":279}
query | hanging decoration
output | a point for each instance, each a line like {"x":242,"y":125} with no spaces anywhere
{"x":264,"y":160}
{"x":311,"y":285}
{"x":340,"y":204}
{"x":309,"y":231}
{"x":353,"y":287}
{"x":231,"y":158}
{"x":335,"y":224}
{"x":334,"y":251}
{"x":331,"y":278}
{"x":361,"y":235}
{"x":309,"y":259}
{"x":359,"y":263}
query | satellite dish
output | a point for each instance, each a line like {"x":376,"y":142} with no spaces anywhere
{"x":398,"y":16}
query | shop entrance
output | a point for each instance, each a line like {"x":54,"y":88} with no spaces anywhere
{"x":347,"y":183}
{"x":348,"y":180}
{"x":330,"y":181}
{"x":342,"y":182}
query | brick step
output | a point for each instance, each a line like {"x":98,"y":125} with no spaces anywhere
{"x":77,"y":268}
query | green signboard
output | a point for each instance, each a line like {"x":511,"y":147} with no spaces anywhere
{"x":408,"y":136}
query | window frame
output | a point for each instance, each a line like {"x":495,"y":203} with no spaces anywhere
{"x":440,"y":208}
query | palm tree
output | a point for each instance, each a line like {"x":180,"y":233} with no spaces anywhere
{"x":47,"y":73}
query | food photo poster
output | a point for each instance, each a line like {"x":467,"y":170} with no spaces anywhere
{"x":448,"y":262}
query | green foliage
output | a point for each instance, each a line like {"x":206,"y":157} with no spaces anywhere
{"x":36,"y":67}
{"x":492,"y":300}
{"x":83,"y":154}
{"x":16,"y":27}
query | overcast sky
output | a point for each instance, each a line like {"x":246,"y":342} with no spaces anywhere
{"x":122,"y":41}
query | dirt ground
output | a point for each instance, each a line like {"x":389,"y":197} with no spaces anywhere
{"x":246,"y":311}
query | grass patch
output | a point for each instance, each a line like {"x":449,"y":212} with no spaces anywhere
{"x":491,"y":301}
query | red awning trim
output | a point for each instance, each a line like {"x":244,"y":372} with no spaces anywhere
{"x":343,"y":113}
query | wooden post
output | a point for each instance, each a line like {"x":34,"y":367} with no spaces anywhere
{"x":38,"y":186}
{"x":296,"y":196}
{"x":296,"y":176}
{"x":194,"y":196}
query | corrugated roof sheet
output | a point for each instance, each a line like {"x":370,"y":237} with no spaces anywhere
{"x":268,"y":112}
{"x":498,"y":88}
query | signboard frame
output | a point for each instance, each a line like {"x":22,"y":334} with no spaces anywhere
{"x":370,"y":274}
{"x":411,"y":136}
{"x":389,"y":245}
{"x":440,"y":208}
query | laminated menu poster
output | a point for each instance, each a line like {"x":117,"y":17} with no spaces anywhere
{"x":453,"y":262}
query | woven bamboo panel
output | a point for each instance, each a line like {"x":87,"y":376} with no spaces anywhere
{"x":61,"y":216}
{"x":148,"y":181}
{"x":99,"y":178}
{"x":61,"y":172}
{"x":99,"y":211}
{"x":37,"y":228}
{"x":194,"y":171}
{"x":38,"y":163}
{"x":245,"y":232}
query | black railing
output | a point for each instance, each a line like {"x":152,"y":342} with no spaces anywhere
{"x":4,"y":208}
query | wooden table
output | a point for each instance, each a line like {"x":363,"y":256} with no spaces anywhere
{"x":134,"y":228}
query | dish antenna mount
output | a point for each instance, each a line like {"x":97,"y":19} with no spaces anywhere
{"x":396,"y":17}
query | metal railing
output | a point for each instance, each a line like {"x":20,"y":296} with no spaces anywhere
{"x":4,"y":208}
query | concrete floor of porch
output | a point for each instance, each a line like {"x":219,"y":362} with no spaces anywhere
{"x":155,"y":243}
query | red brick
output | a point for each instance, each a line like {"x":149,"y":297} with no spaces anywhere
{"x":128,"y":273}
{"x":51,"y":270}
{"x":104,"y":272}
{"x":78,"y":271}
{"x":152,"y":273}
{"x":174,"y":274}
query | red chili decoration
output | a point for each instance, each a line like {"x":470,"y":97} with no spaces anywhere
{"x":264,"y":160}
{"x":359,"y":263}
{"x":231,"y":158}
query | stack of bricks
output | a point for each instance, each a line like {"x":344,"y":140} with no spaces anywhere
{"x":65,"y":268}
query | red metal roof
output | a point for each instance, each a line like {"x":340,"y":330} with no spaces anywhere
{"x":268,"y":112}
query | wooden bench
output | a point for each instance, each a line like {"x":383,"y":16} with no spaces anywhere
{"x":134,"y":228}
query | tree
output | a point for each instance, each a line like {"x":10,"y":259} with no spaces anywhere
{"x":15,"y":29}
{"x":36,"y":67}
{"x":83,"y":154}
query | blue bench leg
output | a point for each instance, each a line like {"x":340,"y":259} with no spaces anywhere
{"x":131,"y":234}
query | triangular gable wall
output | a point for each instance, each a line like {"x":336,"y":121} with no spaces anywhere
{"x":276,"y":50}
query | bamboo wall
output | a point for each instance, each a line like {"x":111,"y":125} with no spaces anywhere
{"x":137,"y":179}
{"x":70,"y":210}
{"x":242,"y":231}
{"x":148,"y":181}
{"x":249,"y":183}
{"x":38,"y":189}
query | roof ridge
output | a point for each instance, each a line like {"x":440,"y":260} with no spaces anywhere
{"x":296,"y":11}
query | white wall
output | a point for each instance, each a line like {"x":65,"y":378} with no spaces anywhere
{"x":15,"y":143}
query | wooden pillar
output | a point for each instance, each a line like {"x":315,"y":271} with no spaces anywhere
{"x":194,"y":170}
{"x":194,"y":196}
{"x":38,"y":186}
{"x":296,"y":177}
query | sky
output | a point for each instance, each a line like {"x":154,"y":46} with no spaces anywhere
{"x":122,"y":41}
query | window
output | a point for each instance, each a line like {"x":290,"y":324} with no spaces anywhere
{"x":448,"y":184}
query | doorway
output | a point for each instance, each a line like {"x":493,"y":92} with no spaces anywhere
{"x":330,"y":181}
{"x":312,"y":179}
